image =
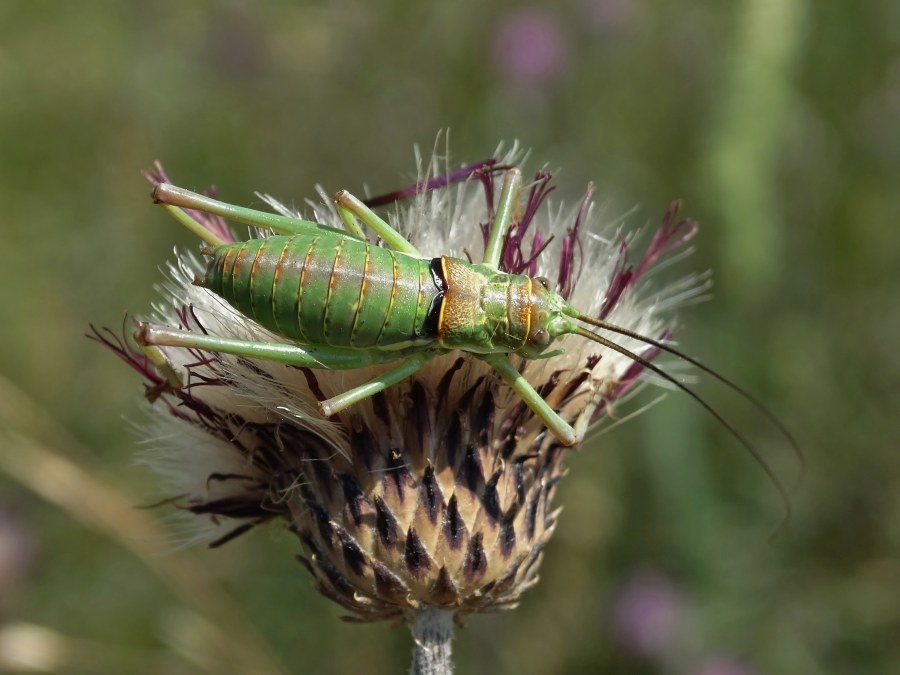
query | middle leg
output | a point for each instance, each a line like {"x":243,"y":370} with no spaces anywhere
{"x":349,"y":208}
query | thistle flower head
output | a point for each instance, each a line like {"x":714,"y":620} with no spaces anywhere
{"x":438,"y":491}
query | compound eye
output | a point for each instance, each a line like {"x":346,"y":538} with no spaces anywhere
{"x":543,"y":281}
{"x":540,"y":337}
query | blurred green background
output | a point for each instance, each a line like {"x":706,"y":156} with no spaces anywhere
{"x":778,"y":123}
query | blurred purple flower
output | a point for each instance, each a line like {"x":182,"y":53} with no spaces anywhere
{"x":18,"y":552}
{"x":531,"y":48}
{"x":723,"y":666}
{"x":647,"y":613}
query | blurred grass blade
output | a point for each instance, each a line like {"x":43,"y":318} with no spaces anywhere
{"x":31,"y":648}
{"x":233,"y":643}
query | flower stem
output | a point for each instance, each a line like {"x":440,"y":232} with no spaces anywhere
{"x":432,"y":631}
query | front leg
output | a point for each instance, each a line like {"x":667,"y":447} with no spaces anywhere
{"x":509,"y":198}
{"x":556,"y":424}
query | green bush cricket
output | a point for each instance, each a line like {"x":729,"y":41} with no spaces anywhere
{"x":346,"y":303}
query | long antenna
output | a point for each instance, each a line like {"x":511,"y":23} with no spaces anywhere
{"x":785,"y":498}
{"x":756,"y":403}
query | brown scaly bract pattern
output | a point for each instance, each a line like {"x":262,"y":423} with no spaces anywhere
{"x":445,"y":519}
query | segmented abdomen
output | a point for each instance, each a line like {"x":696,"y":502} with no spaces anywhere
{"x":325,"y":289}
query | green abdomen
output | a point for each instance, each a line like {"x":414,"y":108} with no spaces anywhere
{"x":327,"y":290}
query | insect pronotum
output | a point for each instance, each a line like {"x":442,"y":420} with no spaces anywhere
{"x":344,"y":303}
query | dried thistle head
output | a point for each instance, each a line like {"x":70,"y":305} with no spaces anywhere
{"x":437,"y":492}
